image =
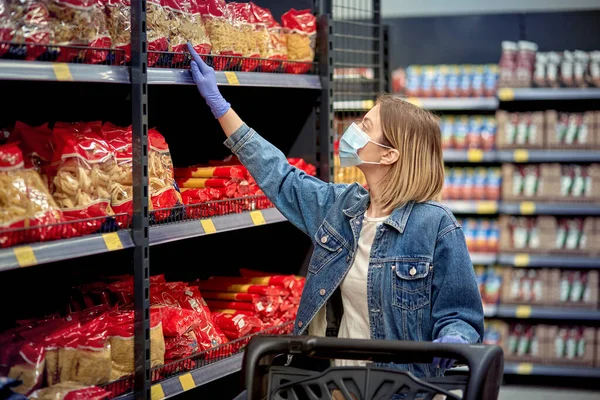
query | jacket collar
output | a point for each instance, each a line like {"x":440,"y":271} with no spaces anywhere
{"x":397,"y":219}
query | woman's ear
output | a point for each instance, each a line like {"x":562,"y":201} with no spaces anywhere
{"x":390,"y":157}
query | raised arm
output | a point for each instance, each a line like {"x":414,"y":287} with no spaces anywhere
{"x":304,"y":200}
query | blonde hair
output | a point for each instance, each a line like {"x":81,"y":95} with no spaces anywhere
{"x":418,"y":175}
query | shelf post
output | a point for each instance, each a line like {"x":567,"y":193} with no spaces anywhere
{"x":325,"y":103}
{"x":378,"y":58}
{"x":141,"y":266}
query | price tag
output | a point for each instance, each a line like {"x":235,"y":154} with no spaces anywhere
{"x":506,"y":94}
{"x":232,"y":78}
{"x":25,"y":256}
{"x":475,"y":155}
{"x":112,"y":241}
{"x":521,"y":260}
{"x":486,"y":207}
{"x":257,"y":218}
{"x":187,"y":382}
{"x":521,"y":155}
{"x":523,"y":311}
{"x":62,"y":72}
{"x":527,"y":208}
{"x":415,"y":101}
{"x":524,"y":368}
{"x":156,"y":392}
{"x":208,"y":226}
{"x":368,"y":104}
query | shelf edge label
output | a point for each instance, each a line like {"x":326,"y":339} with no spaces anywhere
{"x":475,"y":155}
{"x":415,"y":101}
{"x":257,"y":218}
{"x":187,"y":382}
{"x":527,"y":208}
{"x":523,"y":311}
{"x":486,"y":207}
{"x":232,"y":78}
{"x":521,"y":260}
{"x":521,"y":155}
{"x":156,"y":392}
{"x":25,"y":256}
{"x":524,"y":368}
{"x":112,"y":241}
{"x":506,"y":94}
{"x":62,"y":72}
{"x":208,"y":226}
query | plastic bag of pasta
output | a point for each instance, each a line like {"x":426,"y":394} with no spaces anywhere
{"x":186,"y":26}
{"x":158,"y":21}
{"x":81,"y":175}
{"x":251,"y":38}
{"x":27,"y":366}
{"x":25,"y":22}
{"x":70,"y":391}
{"x":300,"y":29}
{"x":24,"y":201}
{"x":219,"y":26}
{"x":118,"y":18}
{"x":163,"y":193}
{"x":80,"y":23}
{"x":276,"y":48}
{"x":121,"y":178}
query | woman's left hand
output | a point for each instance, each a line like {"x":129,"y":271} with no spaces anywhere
{"x":446,"y":363}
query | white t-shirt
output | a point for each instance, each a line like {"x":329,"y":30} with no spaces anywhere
{"x":355,"y":320}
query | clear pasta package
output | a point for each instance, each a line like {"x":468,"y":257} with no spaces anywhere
{"x":300,"y":29}
{"x":276,"y":46}
{"x":81,"y":174}
{"x":121,"y":177}
{"x":186,"y":25}
{"x":219,"y":25}
{"x":70,"y":391}
{"x":80,"y":23}
{"x":24,"y":201}
{"x":163,"y":190}
{"x":118,"y":18}
{"x":27,"y":23}
{"x":158,"y":22}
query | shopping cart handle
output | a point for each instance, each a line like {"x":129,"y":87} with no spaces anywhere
{"x":486,"y":363}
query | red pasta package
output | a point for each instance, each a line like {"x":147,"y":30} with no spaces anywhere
{"x":276,"y":47}
{"x":237,"y":326}
{"x":182,"y":346}
{"x":81,"y":173}
{"x":36,"y":143}
{"x":70,"y":391}
{"x":230,"y":171}
{"x":118,"y":18}
{"x":163,"y":193}
{"x":26,"y":23}
{"x":219,"y":25}
{"x":300,"y":29}
{"x":24,"y":202}
{"x":186,"y":25}
{"x":80,"y":23}
{"x":157,"y":18}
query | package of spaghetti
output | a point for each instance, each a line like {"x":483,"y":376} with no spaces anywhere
{"x":24,"y":202}
{"x":80,"y":23}
{"x":81,"y":173}
{"x":276,"y":47}
{"x":300,"y":29}
{"x":231,"y":171}
{"x":223,"y":285}
{"x":237,"y":326}
{"x":121,"y":338}
{"x":118,"y":18}
{"x":283,"y":281}
{"x":158,"y":21}
{"x":70,"y":391}
{"x":179,"y":347}
{"x":186,"y":25}
{"x":163,"y":193}
{"x":204,"y":182}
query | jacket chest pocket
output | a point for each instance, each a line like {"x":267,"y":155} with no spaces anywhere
{"x":411,"y":284}
{"x":327,"y":249}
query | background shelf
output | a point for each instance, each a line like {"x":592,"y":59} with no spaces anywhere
{"x":532,"y":94}
{"x":551,"y":370}
{"x":454,"y":103}
{"x":555,"y":261}
{"x":472,"y":207}
{"x":483,"y":258}
{"x":541,"y":312}
{"x":538,"y":208}
{"x":62,"y":72}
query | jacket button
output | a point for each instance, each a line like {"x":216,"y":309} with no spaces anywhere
{"x":324,"y":239}
{"x":300,"y":324}
{"x":357,"y":222}
{"x":393,"y":267}
{"x":322,"y":292}
{"x":412,"y":271}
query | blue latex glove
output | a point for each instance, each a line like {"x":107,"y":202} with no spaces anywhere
{"x":206,"y":81}
{"x":446,"y":363}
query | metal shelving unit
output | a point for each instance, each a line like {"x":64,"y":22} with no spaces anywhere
{"x":554,"y":261}
{"x":540,"y":94}
{"x":541,"y":312}
{"x":477,"y":156}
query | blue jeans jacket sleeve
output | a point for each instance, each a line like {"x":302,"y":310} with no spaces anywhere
{"x":304,"y":200}
{"x":456,"y":307}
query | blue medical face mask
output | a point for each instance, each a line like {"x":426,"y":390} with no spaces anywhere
{"x":353,"y":140}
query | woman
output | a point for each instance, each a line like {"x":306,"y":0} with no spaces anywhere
{"x":389,"y":262}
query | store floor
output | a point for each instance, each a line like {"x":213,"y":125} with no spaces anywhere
{"x":529,"y":393}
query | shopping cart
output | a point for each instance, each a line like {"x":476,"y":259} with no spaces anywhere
{"x":265,"y":380}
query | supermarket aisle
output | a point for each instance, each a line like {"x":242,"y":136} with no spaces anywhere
{"x":528,"y":393}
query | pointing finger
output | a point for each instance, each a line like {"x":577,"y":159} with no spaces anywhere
{"x":201,"y":64}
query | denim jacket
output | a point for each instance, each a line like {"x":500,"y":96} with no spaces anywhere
{"x":421,"y":284}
